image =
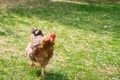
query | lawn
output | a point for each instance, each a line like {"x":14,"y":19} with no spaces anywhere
{"x":87,"y":44}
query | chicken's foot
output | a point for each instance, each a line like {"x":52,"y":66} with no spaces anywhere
{"x":32,"y":64}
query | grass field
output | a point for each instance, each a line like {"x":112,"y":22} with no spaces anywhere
{"x":87,"y":45}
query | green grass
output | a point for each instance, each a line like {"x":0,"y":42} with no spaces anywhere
{"x":87,"y":44}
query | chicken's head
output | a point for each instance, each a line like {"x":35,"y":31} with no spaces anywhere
{"x":36,"y":32}
{"x":52,"y":37}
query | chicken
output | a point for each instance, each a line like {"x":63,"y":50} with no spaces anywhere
{"x":41,"y":50}
{"x":36,"y":36}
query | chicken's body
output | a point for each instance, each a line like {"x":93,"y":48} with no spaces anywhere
{"x":41,"y":52}
{"x":44,"y":51}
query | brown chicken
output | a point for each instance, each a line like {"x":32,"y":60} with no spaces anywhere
{"x":41,"y":48}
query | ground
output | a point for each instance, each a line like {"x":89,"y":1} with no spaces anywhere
{"x":87,"y":44}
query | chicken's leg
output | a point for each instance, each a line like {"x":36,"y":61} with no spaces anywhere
{"x":32,"y":64}
{"x":42,"y":73}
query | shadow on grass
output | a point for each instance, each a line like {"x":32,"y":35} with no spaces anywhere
{"x":53,"y":76}
{"x":100,"y":18}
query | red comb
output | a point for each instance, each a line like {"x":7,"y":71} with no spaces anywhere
{"x":53,"y":36}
